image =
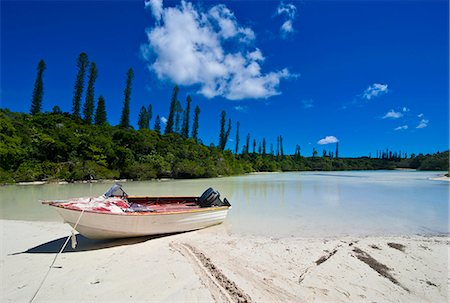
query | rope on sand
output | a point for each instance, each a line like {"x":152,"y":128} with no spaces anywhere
{"x":74,"y":244}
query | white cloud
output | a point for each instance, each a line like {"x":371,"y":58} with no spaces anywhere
{"x":423,"y":123}
{"x":156,"y":6}
{"x":375,"y":90}
{"x":405,"y":109}
{"x":403,"y":127}
{"x":420,"y":115}
{"x":289,"y":11}
{"x":308,"y":103}
{"x":328,"y":140}
{"x":164,"y":120}
{"x":187,"y":47}
{"x":241,"y":108}
{"x":392,"y":115}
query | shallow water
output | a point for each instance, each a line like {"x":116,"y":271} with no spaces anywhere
{"x":284,"y":204}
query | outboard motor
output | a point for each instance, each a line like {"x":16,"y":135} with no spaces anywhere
{"x":115,"y":190}
{"x":211,"y":197}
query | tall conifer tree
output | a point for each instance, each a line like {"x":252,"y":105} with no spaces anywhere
{"x":224,"y":132}
{"x":125,"y":118}
{"x":157,"y":126}
{"x":143,"y":118}
{"x":82,"y":64}
{"x":237,"y":137}
{"x":173,"y":104}
{"x":195,"y":123}
{"x":149,"y":115}
{"x":38,"y":91}
{"x":185,"y":128}
{"x":88,"y":110}
{"x":100,"y":113}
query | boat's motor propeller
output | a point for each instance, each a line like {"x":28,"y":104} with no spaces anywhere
{"x":211,"y":197}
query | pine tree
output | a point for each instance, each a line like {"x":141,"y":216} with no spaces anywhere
{"x":281,"y":146}
{"x":38,"y":91}
{"x":237,"y":136}
{"x":173,"y":104}
{"x":125,"y":118}
{"x":88,"y":110}
{"x":143,"y":120}
{"x":337,"y":150}
{"x":178,"y":113}
{"x":254,"y":145}
{"x":157,"y":126}
{"x":224,"y":133}
{"x":185,"y":128}
{"x":264,"y":147}
{"x":195,"y":123}
{"x":100,"y":113}
{"x":149,"y":115}
{"x":82,"y":64}
{"x":247,"y":144}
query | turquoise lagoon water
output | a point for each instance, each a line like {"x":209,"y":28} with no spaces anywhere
{"x":284,"y":204}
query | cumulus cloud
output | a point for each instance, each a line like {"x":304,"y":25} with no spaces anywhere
{"x":156,"y":6}
{"x":164,"y":120}
{"x":375,"y":90}
{"x":420,"y":115}
{"x":402,"y":127}
{"x":423,"y":123}
{"x":289,"y":11}
{"x":187,"y":47}
{"x":328,"y":140}
{"x":405,"y":109}
{"x":392,"y":115}
{"x":308,"y":103}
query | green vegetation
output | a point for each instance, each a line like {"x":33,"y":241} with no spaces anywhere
{"x":82,"y":63}
{"x":61,"y":146}
{"x":38,"y":92}
{"x":55,"y":146}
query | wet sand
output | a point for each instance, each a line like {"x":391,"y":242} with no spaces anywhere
{"x":212,"y":265}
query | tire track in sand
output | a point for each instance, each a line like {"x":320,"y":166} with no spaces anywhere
{"x":222,"y":289}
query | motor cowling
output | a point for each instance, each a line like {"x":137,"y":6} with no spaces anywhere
{"x":211,"y":197}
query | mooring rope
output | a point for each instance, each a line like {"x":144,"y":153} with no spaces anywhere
{"x":71,"y":236}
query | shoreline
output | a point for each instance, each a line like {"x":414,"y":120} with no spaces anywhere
{"x":443,"y":177}
{"x":213,"y":264}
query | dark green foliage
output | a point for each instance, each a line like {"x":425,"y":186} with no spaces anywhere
{"x":88,"y":110}
{"x":56,"y":110}
{"x":247,"y":144}
{"x":38,"y":91}
{"x":173,"y":105}
{"x":149,"y":115}
{"x":195,"y":124}
{"x":100,"y":113}
{"x":264,"y":147}
{"x":178,"y":112}
{"x":157,"y":126}
{"x":185,"y":128}
{"x":337,"y":150}
{"x":82,"y":63}
{"x":125,"y":117}
{"x":143,"y":118}
{"x":237,"y":137}
{"x":224,"y":132}
{"x":54,"y":146}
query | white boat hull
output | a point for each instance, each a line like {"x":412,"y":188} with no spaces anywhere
{"x":95,"y":225}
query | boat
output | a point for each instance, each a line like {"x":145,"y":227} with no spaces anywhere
{"x":115,"y":214}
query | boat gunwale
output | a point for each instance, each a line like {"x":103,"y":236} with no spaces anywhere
{"x":102,"y":212}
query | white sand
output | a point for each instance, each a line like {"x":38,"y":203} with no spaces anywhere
{"x":201,"y":265}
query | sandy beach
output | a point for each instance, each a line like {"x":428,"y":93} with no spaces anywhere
{"x":212,"y":265}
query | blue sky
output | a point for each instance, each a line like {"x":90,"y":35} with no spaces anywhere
{"x":371,"y":74}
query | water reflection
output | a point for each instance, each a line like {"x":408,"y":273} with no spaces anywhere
{"x":283,"y":204}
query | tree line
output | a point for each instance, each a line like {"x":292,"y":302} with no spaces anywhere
{"x":82,"y":144}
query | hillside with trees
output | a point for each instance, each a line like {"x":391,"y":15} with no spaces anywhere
{"x":82,"y":145}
